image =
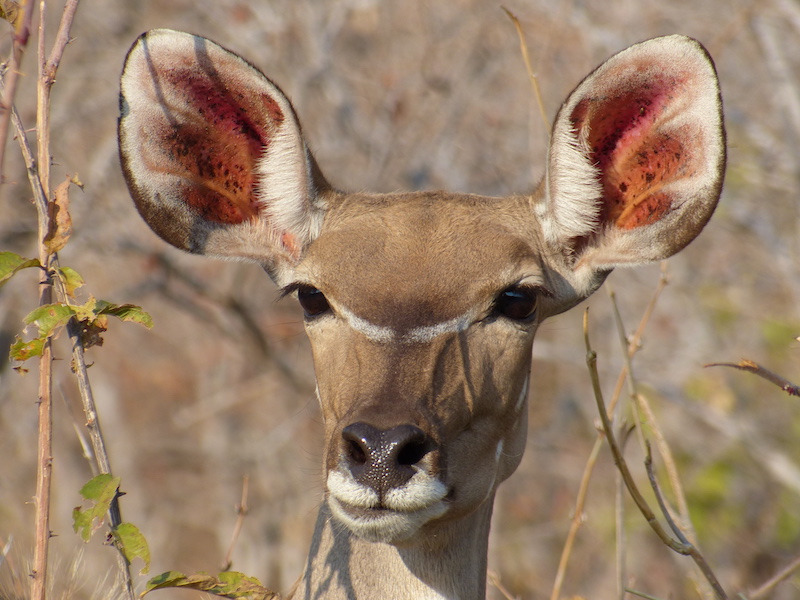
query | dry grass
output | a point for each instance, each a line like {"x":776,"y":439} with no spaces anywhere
{"x":423,"y":94}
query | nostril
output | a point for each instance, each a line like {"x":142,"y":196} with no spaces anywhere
{"x":413,"y":449}
{"x":355,"y":452}
{"x":411,"y":454}
{"x":358,"y":442}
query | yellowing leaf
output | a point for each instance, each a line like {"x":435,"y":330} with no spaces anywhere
{"x":229,"y":584}
{"x":59,"y":219}
{"x":22,"y":350}
{"x":86,"y":311}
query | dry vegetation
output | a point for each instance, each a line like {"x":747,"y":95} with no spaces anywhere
{"x":420,"y":94}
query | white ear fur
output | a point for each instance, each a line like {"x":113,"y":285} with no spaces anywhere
{"x":636,"y":159}
{"x":286,"y":188}
{"x":575,"y":182}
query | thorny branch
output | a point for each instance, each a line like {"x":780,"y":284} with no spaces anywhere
{"x":38,"y":170}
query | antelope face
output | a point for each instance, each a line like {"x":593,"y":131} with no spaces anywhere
{"x":421,"y":339}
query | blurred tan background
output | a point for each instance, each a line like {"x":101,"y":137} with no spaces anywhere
{"x":417,"y":94}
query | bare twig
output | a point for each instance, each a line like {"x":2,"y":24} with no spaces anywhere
{"x":494,"y":579}
{"x":645,"y":416}
{"x":534,"y":80}
{"x":676,"y":545}
{"x":627,"y":358}
{"x":648,"y":465}
{"x":241,"y":513}
{"x":22,"y":30}
{"x":577,"y":515}
{"x":764,"y":589}
{"x":577,"y":518}
{"x":753,"y":367}
{"x":641,"y":594}
{"x":619,"y":522}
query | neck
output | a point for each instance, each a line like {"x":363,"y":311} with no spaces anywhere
{"x":448,"y":562}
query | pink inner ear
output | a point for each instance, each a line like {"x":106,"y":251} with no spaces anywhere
{"x":635,"y":156}
{"x":214,"y":138}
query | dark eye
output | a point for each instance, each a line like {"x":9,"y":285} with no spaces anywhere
{"x":312,"y":300}
{"x":517,"y":303}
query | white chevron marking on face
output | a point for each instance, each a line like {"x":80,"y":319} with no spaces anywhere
{"x":376,"y":333}
{"x":417,"y":335}
{"x":523,"y":395}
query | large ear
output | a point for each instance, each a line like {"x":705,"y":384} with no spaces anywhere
{"x":636,"y":160}
{"x":213,"y":153}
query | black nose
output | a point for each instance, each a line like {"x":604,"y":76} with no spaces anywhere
{"x":384,"y":458}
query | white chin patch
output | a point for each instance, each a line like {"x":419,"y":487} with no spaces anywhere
{"x":403,"y":511}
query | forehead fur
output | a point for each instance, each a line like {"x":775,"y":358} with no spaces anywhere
{"x":418,"y":259}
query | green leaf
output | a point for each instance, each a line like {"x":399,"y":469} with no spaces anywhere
{"x":133,"y":544}
{"x":125,"y":312}
{"x":50,"y":316}
{"x":229,"y":584}
{"x":71,"y":280}
{"x":98,"y":488}
{"x":11,"y":263}
{"x":164,"y":580}
{"x":99,"y":491}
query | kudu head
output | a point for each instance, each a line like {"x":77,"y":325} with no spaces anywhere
{"x":421,"y":307}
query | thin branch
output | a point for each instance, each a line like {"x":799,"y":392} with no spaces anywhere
{"x":764,"y":589}
{"x":494,"y":579}
{"x":643,"y":412}
{"x":622,"y":466}
{"x":645,"y":415}
{"x":241,"y":513}
{"x":583,"y":489}
{"x":531,"y":75}
{"x":61,"y":41}
{"x":626,"y":356}
{"x":577,"y":518}
{"x":669,"y":465}
{"x":641,"y":594}
{"x":648,"y":465}
{"x":619,"y":524}
{"x":22,"y":30}
{"x":753,"y":367}
{"x":74,"y":330}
